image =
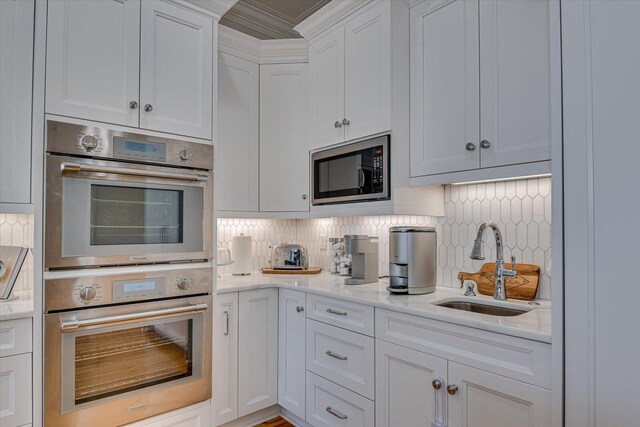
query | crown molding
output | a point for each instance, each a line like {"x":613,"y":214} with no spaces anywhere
{"x":214,"y":8}
{"x":259,"y":51}
{"x":328,"y":16}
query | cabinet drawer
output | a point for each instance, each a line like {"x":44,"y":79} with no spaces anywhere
{"x":341,"y":356}
{"x":517,"y":358}
{"x":348,"y":315}
{"x":15,"y":390}
{"x":15,"y":337}
{"x":329,"y":404}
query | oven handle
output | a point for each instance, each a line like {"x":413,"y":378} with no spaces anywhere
{"x":66,"y":325}
{"x":78,"y":167}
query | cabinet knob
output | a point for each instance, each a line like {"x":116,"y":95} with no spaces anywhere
{"x":452,"y":389}
{"x":133,"y":105}
{"x":148,"y":108}
{"x":304,"y":197}
{"x":437,"y":384}
{"x":337,"y":124}
{"x":345,"y":122}
{"x":484,"y":144}
{"x":299,"y":309}
{"x":470,"y":146}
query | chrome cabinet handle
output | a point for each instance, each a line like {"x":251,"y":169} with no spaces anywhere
{"x":335,"y":413}
{"x":336,"y":355}
{"x":226,"y":315}
{"x":345,"y":122}
{"x":437,"y":384}
{"x":336,"y":312}
{"x":337,"y":124}
{"x":452,"y":389}
{"x":133,"y":105}
{"x":484,"y":144}
{"x":470,"y":146}
{"x":299,"y":309}
{"x":148,"y":108}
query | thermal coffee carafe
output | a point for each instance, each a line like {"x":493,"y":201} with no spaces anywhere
{"x":364,"y":259}
{"x":412,"y":260}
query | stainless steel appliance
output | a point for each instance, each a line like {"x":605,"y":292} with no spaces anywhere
{"x":119,"y":348}
{"x":289,"y":256}
{"x":364,"y":259}
{"x":117,"y":198}
{"x":351,"y":173}
{"x":412,"y":260}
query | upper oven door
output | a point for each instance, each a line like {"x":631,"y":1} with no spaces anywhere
{"x":351,"y":173}
{"x":103,"y":213}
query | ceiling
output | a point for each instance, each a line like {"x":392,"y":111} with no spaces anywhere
{"x":270,"y":19}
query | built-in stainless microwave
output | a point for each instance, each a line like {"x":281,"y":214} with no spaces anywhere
{"x":356,"y":172}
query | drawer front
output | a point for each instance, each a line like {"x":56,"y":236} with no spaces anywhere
{"x":329,"y":404}
{"x":15,"y":390}
{"x":347,"y":315}
{"x":15,"y":337}
{"x":341,"y":356}
{"x":516,"y":358}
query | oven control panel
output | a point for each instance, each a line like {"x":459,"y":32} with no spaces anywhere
{"x":135,"y":290}
{"x":129,"y":148}
{"x":87,"y":293}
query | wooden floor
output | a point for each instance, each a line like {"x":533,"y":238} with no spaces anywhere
{"x":276,"y":422}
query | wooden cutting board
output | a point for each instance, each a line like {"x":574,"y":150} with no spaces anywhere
{"x":524,"y":286}
{"x":309,"y":270}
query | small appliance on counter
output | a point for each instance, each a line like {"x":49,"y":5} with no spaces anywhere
{"x":289,"y":256}
{"x":243,"y":253}
{"x":364,"y":259}
{"x":412,"y":260}
{"x":11,"y":261}
{"x":223,"y":257}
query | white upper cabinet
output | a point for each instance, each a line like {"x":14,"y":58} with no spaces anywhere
{"x":16,"y":51}
{"x":284,"y":149}
{"x":367,"y":97}
{"x":326,"y":61}
{"x":93,"y":60}
{"x":176,"y":48}
{"x":237,"y":140}
{"x":444,"y":87}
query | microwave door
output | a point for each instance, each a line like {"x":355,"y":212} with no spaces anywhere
{"x":341,"y":176}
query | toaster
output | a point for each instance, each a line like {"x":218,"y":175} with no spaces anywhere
{"x":289,"y":256}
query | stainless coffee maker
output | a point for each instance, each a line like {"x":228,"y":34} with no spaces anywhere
{"x":364,"y":259}
{"x":412,"y":260}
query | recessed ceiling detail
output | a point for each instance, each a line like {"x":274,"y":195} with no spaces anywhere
{"x":270,"y":19}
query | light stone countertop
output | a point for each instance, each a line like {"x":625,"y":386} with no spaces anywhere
{"x":17,"y":308}
{"x":534,"y":325}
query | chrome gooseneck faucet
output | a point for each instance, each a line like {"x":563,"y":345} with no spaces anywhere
{"x":499,"y":291}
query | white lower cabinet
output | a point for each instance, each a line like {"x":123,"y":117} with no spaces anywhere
{"x":257,"y":350}
{"x":291,"y":344}
{"x":15,"y":390}
{"x":328,"y":404}
{"x":225,"y":358}
{"x":195,"y":416}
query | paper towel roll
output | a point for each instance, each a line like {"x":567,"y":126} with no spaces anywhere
{"x":243,"y":254}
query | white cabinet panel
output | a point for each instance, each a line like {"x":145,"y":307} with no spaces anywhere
{"x":176,"y":69}
{"x":405,"y":395}
{"x":199,"y":416}
{"x":444,"y":87}
{"x":237,"y":143}
{"x":344,"y":314}
{"x":93,"y":60}
{"x":257,"y":350}
{"x":327,"y":82}
{"x":15,"y":390}
{"x":291,"y":347}
{"x":16,"y":51}
{"x":284,"y":150}
{"x":517,"y":72}
{"x":367,"y":95}
{"x":225,"y":358}
{"x":485,"y":399}
{"x":15,"y":337}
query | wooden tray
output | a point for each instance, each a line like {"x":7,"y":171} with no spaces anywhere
{"x":524,"y":286}
{"x":310,"y":270}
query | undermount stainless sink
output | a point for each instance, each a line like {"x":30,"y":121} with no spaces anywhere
{"x":475,"y":307}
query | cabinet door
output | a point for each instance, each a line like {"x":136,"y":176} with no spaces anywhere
{"x":326,"y":66}
{"x":284,"y":149}
{"x":15,"y":390}
{"x":405,"y":395}
{"x":483,"y":399}
{"x":291,"y":345}
{"x":93,"y":60}
{"x":367,"y":96}
{"x":444,"y":87}
{"x":257,"y":350}
{"x":225,"y":357}
{"x":519,"y":76}
{"x":176,"y":70}
{"x":237,"y":144}
{"x":16,"y":51}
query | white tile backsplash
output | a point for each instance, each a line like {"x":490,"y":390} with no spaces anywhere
{"x":521,"y":208}
{"x":17,"y":230}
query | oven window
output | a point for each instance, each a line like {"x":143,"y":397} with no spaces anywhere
{"x":116,"y":362}
{"x":135,"y":216}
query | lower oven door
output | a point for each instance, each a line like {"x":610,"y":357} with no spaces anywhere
{"x":111,"y":366}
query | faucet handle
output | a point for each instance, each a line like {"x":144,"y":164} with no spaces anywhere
{"x":469,"y":292}
{"x":512,"y":272}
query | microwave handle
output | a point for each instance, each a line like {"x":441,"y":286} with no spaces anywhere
{"x":78,"y":167}
{"x":361,"y":178}
{"x":73,"y":324}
